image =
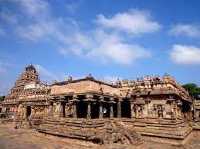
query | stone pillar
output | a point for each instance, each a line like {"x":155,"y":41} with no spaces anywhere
{"x":61,"y":110}
{"x":173,"y":112}
{"x":133,"y":110}
{"x":89,"y":110}
{"x":119,"y":108}
{"x":25,"y":113}
{"x":178,"y":107}
{"x":75,"y":100}
{"x":89,"y":99}
{"x":74,"y":110}
{"x":101,"y":107}
{"x":111,"y":108}
{"x":147,"y":108}
{"x":57,"y":109}
{"x":50,"y":111}
{"x":197,"y":115}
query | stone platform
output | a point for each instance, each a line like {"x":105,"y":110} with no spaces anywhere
{"x":166,"y":131}
{"x":99,"y":131}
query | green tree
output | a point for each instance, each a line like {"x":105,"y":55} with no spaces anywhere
{"x":193,"y":90}
{"x":2,"y":98}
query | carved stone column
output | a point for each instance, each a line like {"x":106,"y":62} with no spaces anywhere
{"x":111,"y":110}
{"x":89,"y":110}
{"x":111,"y":107}
{"x":172,"y":106}
{"x":50,"y":111}
{"x":61,"y":110}
{"x":133,"y":109}
{"x":101,"y":107}
{"x":178,"y":107}
{"x":147,"y":107}
{"x":75,"y":100}
{"x":60,"y":106}
{"x":57,"y":106}
{"x":119,"y":108}
{"x":89,"y":99}
{"x":25,"y":112}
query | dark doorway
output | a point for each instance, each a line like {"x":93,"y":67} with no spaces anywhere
{"x":106,"y":110}
{"x":81,"y":109}
{"x":63,"y":109}
{"x":115,"y":109}
{"x":7,"y":110}
{"x":95,"y":110}
{"x":126,"y":109}
{"x":160,"y":111}
{"x":28,"y":111}
{"x":185,"y":107}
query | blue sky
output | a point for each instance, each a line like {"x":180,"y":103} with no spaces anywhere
{"x":107,"y":38}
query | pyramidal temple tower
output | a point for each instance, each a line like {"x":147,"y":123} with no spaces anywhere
{"x":29,"y":75}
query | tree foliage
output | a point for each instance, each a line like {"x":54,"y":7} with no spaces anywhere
{"x":2,"y":98}
{"x":193,"y":90}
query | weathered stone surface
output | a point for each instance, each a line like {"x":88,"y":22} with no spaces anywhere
{"x":96,"y":111}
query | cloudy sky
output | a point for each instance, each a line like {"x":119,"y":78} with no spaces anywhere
{"x":107,"y":38}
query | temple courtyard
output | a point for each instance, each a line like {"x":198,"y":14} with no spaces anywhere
{"x":11,"y":138}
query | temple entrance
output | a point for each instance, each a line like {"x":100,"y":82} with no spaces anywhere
{"x":28,"y":111}
{"x":81,"y":109}
{"x":63,"y":109}
{"x":126,"y":109}
{"x":115,"y":109}
{"x":95,"y":110}
{"x":106,"y":110}
{"x":7,"y":110}
{"x":160,"y":111}
{"x":186,"y":109}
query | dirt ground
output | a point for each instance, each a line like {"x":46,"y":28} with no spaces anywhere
{"x":11,"y":138}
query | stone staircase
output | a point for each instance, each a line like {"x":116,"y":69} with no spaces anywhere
{"x":164,"y":129}
{"x":127,"y":136}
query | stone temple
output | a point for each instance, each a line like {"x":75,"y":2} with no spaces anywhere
{"x":125,"y":112}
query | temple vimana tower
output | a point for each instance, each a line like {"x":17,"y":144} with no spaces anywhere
{"x":126,"y":112}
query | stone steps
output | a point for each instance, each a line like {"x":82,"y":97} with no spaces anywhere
{"x":177,"y":131}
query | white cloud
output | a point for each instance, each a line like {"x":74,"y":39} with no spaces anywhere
{"x":5,"y":83}
{"x":112,"y":47}
{"x":8,"y":17}
{"x":73,"y":6}
{"x":105,"y":47}
{"x":40,"y":23}
{"x":35,"y":8}
{"x":32,"y":32}
{"x":185,"y":54}
{"x":133,"y":22}
{"x":99,"y":43}
{"x":45,"y":74}
{"x":37,"y":31}
{"x":78,"y":43}
{"x":185,"y":29}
